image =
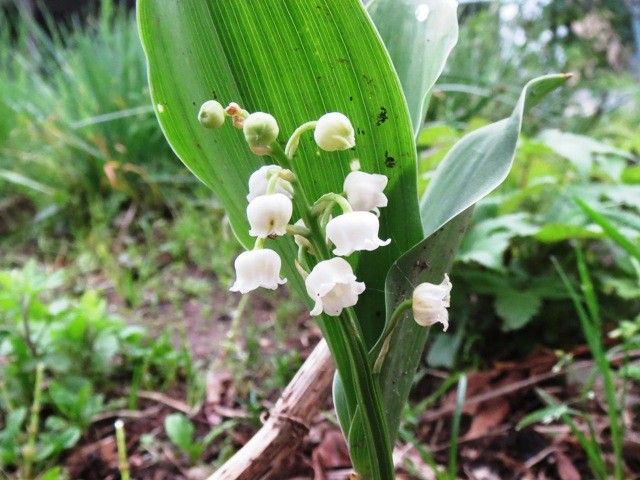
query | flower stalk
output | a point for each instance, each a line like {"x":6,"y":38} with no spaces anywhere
{"x":329,"y":278}
{"x":29,"y":450}
{"x":348,"y":338}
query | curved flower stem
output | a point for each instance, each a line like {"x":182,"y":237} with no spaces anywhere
{"x":272,"y":184}
{"x":348,"y":349}
{"x":327,"y":201}
{"x":294,"y":140}
{"x":387,"y":333}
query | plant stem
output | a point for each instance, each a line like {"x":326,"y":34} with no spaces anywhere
{"x":25,"y":305}
{"x":603,"y":364}
{"x":455,"y":427}
{"x":29,"y":450}
{"x":294,"y":140}
{"x":123,"y":462}
{"x":369,"y":400}
{"x":347,"y":338}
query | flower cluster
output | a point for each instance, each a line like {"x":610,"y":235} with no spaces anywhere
{"x":339,"y":223}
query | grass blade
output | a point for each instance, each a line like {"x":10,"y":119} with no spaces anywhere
{"x":612,"y":232}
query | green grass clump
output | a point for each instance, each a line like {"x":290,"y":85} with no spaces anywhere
{"x":76,"y":124}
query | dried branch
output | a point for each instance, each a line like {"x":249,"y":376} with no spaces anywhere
{"x":287,"y":424}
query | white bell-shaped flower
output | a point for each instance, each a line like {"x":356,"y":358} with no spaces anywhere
{"x":269,"y":215}
{"x":354,"y":231}
{"x":364,"y":190}
{"x":259,"y":180}
{"x":430,"y":303}
{"x":257,"y":268}
{"x":334,"y":132}
{"x":333,"y":287}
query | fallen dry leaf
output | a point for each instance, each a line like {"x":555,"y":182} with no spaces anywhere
{"x":488,"y":416}
{"x":566,"y":468}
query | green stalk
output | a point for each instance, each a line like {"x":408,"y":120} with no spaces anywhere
{"x":121,"y":444}
{"x":455,"y":427}
{"x":346,"y":343}
{"x":592,"y":330}
{"x":603,"y":364}
{"x":369,"y":399}
{"x":29,"y":450}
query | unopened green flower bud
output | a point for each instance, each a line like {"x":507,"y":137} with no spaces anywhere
{"x":211,"y":114}
{"x":334,"y":132}
{"x":260,"y":130}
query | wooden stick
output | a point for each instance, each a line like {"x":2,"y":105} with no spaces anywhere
{"x":287,"y":424}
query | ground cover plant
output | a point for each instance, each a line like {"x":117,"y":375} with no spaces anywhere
{"x":194,"y":384}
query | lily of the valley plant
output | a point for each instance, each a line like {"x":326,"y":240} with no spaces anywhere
{"x":306,"y":133}
{"x":327,"y":230}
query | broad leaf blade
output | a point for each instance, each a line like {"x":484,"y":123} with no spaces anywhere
{"x":473,"y":168}
{"x":426,"y":262}
{"x":479,"y":162}
{"x":419,"y":35}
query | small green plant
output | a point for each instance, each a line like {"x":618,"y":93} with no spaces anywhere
{"x":182,"y":434}
{"x":588,"y":310}
{"x":67,"y":358}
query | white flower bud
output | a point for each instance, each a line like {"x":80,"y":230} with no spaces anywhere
{"x":430,"y":303}
{"x":257,"y":268}
{"x":334,"y":132}
{"x":354,"y":231}
{"x":259,"y":180}
{"x":364,"y":190}
{"x":269,"y":215}
{"x":211,"y":114}
{"x":333,"y":286}
{"x":260,"y":131}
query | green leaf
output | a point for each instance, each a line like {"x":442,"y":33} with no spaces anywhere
{"x":546,"y":415}
{"x":358,"y":448}
{"x":476,"y":165}
{"x":611,"y":230}
{"x":341,"y":405}
{"x":54,"y":473}
{"x":427,"y":262}
{"x":180,"y":431}
{"x":580,"y":150}
{"x":479,"y":162}
{"x":516,"y":308}
{"x":419,"y":35}
{"x":296,"y":59}
{"x":559,"y":232}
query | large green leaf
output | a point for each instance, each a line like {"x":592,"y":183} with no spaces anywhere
{"x":480,"y":161}
{"x":477,"y":164}
{"x":296,"y":59}
{"x":419,"y":35}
